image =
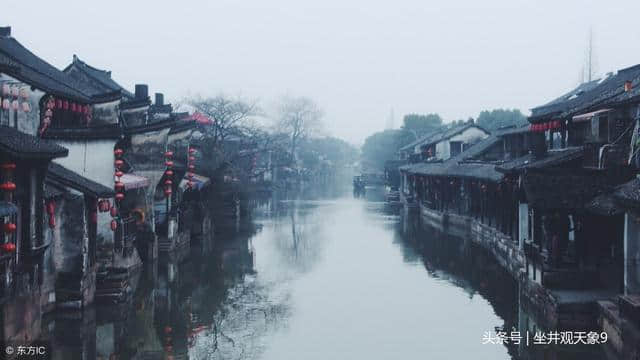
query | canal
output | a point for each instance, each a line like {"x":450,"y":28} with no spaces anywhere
{"x":311,"y":279}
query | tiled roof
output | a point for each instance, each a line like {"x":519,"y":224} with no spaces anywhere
{"x":590,"y":96}
{"x":457,"y":167}
{"x":21,"y":145}
{"x":101,"y":81}
{"x":31,"y":69}
{"x":59,"y":174}
{"x":440,"y":135}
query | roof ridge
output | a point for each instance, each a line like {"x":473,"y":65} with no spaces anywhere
{"x":40,"y":72}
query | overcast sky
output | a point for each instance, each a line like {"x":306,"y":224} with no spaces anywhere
{"x":358,"y":59}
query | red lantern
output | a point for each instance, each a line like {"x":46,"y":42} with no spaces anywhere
{"x":118,"y":152}
{"x":119,"y":173}
{"x":192,"y":158}
{"x":167,"y":192}
{"x":169,"y":172}
{"x":119,"y":185}
{"x":119,"y":196}
{"x":192,"y":150}
{"x":192,"y":167}
{"x":51,"y":207}
{"x":168,"y":154}
{"x":52,"y":221}
{"x":169,"y":163}
{"x":26,"y":107}
{"x":59,"y":104}
{"x":168,"y":329}
{"x":65,"y":105}
{"x":8,"y":186}
{"x":8,"y":247}
{"x":114,"y":225}
{"x":168,"y":182}
{"x":114,"y":212}
{"x":8,"y":166}
{"x":15,"y":105}
{"x":9,"y":228}
{"x":119,"y":163}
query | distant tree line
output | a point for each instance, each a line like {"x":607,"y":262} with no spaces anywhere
{"x":383,"y":145}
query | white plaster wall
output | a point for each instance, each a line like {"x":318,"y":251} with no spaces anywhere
{"x":470,"y":135}
{"x":92,"y":159}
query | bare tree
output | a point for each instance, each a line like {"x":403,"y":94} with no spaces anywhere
{"x":298,"y":117}
{"x":229,"y":115}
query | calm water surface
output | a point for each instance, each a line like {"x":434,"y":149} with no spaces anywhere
{"x":312,"y":279}
{"x":335,"y":280}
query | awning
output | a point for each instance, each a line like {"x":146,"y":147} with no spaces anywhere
{"x":589,"y":116}
{"x":7,"y":208}
{"x":199,"y":182}
{"x":134,"y":181}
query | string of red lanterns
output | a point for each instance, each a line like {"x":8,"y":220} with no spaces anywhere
{"x":118,"y":186}
{"x":542,"y":127}
{"x":191,"y":167}
{"x":8,"y":186}
{"x":11,"y":96}
{"x":168,"y":174}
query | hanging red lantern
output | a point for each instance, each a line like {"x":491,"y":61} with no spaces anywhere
{"x":52,"y":222}
{"x":119,"y":163}
{"x":192,"y":150}
{"x":119,"y":185}
{"x":9,"y":228}
{"x":15,"y":105}
{"x":8,"y":186}
{"x":114,"y":212}
{"x":51,"y":207}
{"x":192,"y":167}
{"x":73,"y":107}
{"x":8,"y":166}
{"x":65,"y":105}
{"x":26,"y":107}
{"x":8,"y":247}
{"x":167,"y":192}
{"x":114,"y":225}
{"x":119,"y":196}
{"x":6,"y":104}
{"x":59,"y":104}
{"x":168,"y":154}
{"x":168,"y":329}
{"x":192,"y":158}
{"x":169,"y":172}
{"x":6,"y":90}
{"x":169,"y":163}
{"x":168,"y":182}
{"x":15,"y":91}
{"x":118,"y":152}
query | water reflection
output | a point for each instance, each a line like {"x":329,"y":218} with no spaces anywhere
{"x":312,"y":279}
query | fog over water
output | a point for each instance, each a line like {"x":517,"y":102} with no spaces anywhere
{"x":357,"y":59}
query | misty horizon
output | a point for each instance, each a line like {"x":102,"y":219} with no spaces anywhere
{"x":358,"y":61}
